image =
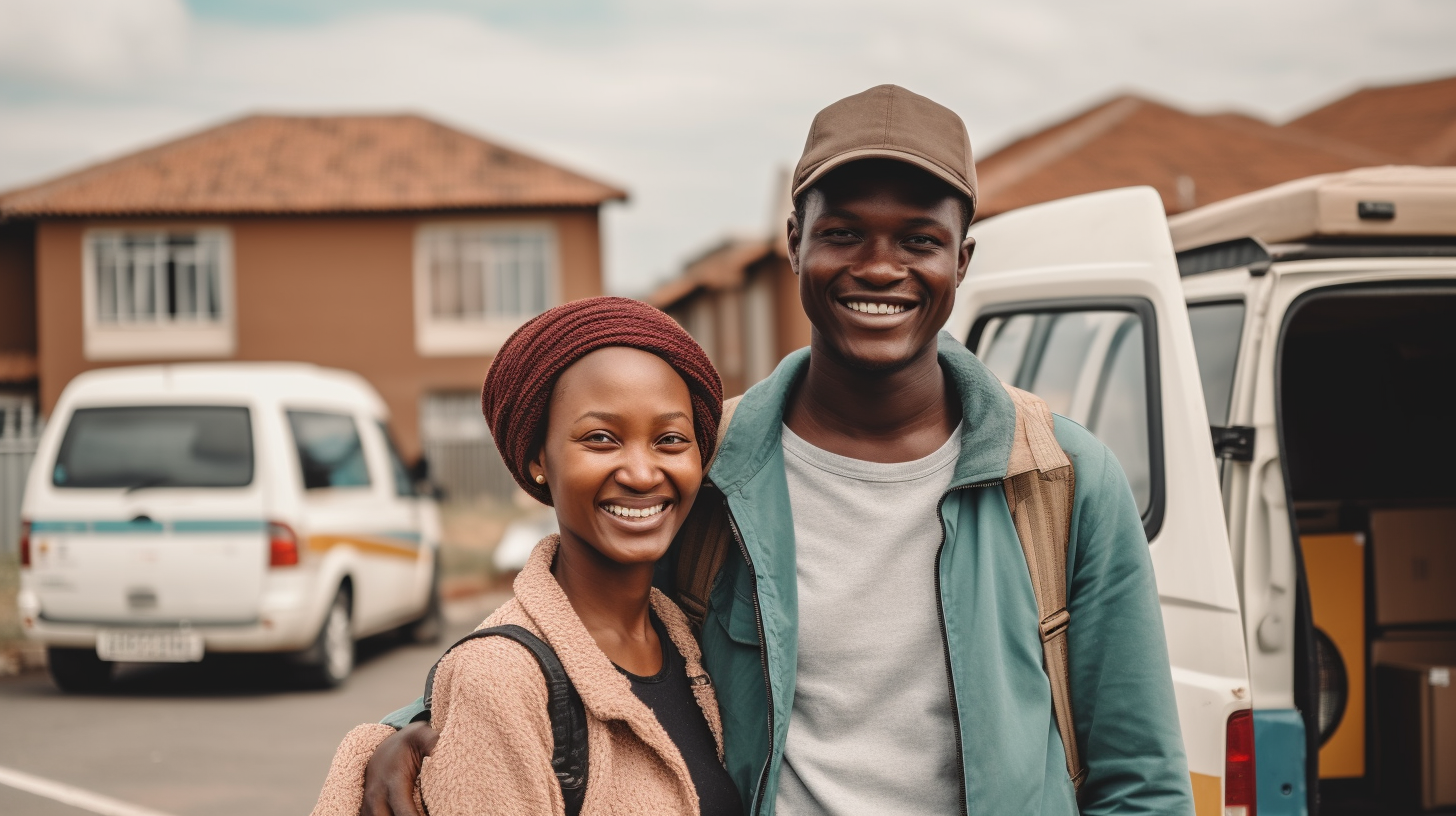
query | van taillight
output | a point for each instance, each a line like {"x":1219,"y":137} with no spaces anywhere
{"x":24,"y":543}
{"x":1240,"y":793}
{"x":282,"y":545}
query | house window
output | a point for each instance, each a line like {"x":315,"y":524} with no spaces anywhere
{"x":154,"y":293}
{"x":475,"y":284}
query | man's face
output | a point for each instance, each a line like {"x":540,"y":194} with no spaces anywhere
{"x":879,"y":255}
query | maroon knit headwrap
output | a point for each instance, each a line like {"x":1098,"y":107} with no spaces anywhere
{"x":518,"y":385}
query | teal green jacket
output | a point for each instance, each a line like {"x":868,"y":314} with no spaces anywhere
{"x":1012,"y":760}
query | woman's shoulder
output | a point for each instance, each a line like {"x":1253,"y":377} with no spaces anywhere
{"x":493,"y":668}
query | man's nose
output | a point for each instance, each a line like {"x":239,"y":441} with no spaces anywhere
{"x":879,"y":265}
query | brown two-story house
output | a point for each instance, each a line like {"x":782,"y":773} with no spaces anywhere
{"x":392,"y":246}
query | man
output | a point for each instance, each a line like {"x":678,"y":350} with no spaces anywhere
{"x":874,"y":637}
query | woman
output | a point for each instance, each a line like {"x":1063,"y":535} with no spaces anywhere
{"x":606,"y":410}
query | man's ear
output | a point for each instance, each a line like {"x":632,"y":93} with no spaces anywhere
{"x":968,"y":248}
{"x":793,"y":227}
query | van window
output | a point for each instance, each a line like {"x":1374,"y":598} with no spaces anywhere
{"x":1216,"y":328}
{"x":156,"y":446}
{"x":329,"y":450}
{"x":403,"y":484}
{"x":1119,"y":414}
{"x":1006,"y":345}
{"x":1091,"y":367}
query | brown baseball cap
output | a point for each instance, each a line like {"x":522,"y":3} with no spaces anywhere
{"x":889,"y":122}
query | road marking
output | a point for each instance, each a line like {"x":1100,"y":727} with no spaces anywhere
{"x":73,"y":796}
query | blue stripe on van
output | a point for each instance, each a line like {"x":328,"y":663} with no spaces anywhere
{"x":125,"y":527}
{"x":219,"y":526}
{"x":59,"y":526}
{"x":404,"y":535}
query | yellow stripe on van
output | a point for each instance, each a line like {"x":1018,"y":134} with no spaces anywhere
{"x":1207,"y":795}
{"x":391,"y":547}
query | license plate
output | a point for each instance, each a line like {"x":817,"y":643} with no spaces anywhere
{"x":149,"y":645}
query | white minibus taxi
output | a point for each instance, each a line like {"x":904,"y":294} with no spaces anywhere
{"x":178,"y":510}
{"x":1277,"y":375}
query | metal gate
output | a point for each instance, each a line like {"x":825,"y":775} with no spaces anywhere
{"x":19,"y":432}
{"x":462,"y":456}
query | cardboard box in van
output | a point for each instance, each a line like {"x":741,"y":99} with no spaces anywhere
{"x":1417,"y":705}
{"x":1415,"y":565}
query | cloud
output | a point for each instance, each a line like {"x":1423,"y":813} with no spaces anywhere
{"x":693,"y":105}
{"x":91,"y":43}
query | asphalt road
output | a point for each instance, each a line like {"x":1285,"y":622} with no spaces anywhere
{"x":217,"y":738}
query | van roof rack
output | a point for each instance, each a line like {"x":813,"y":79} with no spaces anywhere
{"x":1257,"y":256}
{"x":1380,"y":203}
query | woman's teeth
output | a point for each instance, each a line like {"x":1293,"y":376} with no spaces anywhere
{"x":633,"y":512}
{"x":875,"y":308}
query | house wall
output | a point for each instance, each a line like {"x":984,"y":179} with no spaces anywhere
{"x":335,"y":291}
{"x":793,"y":330}
{"x":17,"y":288}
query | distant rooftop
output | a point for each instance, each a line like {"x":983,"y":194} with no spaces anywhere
{"x":1190,"y":159}
{"x":267,"y":164}
{"x":1415,"y":122}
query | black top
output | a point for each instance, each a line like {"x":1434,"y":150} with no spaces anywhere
{"x":670,"y":697}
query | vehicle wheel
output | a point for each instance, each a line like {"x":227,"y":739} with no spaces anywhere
{"x":429,"y":627}
{"x":78,"y":671}
{"x":330,"y":660}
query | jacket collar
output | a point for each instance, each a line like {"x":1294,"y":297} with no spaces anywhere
{"x":605,"y":692}
{"x":988,"y":419}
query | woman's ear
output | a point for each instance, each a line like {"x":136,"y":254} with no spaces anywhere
{"x":537,"y":467}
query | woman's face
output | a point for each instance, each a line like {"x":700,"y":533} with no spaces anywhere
{"x":620,"y":455}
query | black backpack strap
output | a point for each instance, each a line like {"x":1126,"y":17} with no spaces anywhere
{"x":563,"y":704}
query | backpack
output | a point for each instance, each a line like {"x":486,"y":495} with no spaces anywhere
{"x":1040,"y":486}
{"x":563,"y":704}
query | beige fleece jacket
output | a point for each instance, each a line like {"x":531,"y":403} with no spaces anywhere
{"x":494,"y":752}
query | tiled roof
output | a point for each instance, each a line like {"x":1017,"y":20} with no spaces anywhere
{"x":1415,"y":123}
{"x":18,"y":367}
{"x":721,"y":267}
{"x":1190,"y":159}
{"x":312,"y":164}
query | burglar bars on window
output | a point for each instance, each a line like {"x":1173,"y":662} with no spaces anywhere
{"x":157,"y":278}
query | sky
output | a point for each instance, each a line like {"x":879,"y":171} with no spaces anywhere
{"x":696,"y":107}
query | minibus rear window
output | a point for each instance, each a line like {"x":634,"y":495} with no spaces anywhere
{"x":143,"y":446}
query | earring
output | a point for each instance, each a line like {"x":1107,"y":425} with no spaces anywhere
{"x":540,"y":478}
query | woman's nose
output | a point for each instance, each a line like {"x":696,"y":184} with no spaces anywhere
{"x":638,"y":473}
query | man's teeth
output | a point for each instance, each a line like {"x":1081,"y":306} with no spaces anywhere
{"x":875,"y":308}
{"x":633,"y":512}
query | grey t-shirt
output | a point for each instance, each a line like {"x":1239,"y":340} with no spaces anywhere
{"x":872,"y":729}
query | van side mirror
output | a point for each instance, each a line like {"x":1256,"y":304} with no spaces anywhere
{"x":419,"y":474}
{"x":420,"y":470}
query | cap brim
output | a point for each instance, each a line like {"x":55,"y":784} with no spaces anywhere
{"x":885,"y":153}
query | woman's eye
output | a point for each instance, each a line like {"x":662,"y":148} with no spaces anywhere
{"x":600,"y":437}
{"x":674,"y":439}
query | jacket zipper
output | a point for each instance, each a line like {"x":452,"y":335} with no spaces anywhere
{"x":763,"y":655}
{"x":955,"y":710}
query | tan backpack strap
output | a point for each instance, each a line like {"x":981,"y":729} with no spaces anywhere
{"x":706,"y":537}
{"x":1040,"y":487}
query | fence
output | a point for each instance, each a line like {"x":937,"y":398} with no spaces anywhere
{"x":463,"y":459}
{"x":19,"y":432}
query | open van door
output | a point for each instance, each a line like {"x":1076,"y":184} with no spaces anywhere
{"x":1079,"y":301}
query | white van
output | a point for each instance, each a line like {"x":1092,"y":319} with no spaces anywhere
{"x":1312,"y":328}
{"x":179,"y":510}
